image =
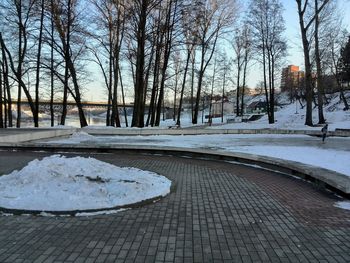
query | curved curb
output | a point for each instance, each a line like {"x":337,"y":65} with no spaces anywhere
{"x":30,"y":134}
{"x":75,"y":212}
{"x":322,"y":178}
{"x":207,"y":131}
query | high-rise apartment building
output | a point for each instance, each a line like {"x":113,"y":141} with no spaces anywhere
{"x":291,"y":79}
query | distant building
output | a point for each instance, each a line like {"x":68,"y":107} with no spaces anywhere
{"x":291,"y":79}
{"x":257,"y":107}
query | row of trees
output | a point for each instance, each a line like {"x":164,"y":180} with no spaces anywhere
{"x":50,"y":43}
{"x":323,"y":48}
{"x":153,"y":46}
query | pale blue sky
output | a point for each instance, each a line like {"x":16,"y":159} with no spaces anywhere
{"x":292,"y":24}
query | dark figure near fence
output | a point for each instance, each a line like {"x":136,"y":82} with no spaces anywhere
{"x":324,"y":131}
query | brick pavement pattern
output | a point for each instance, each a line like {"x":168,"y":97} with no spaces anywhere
{"x":216,"y":212}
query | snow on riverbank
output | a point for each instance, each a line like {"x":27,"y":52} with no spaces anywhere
{"x":57,"y":183}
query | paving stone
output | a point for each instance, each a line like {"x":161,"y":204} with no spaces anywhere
{"x":217,"y":212}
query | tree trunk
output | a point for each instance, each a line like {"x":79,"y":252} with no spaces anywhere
{"x":178,"y":122}
{"x":238,"y":84}
{"x":37,"y":80}
{"x":52,"y":114}
{"x":272,"y":93}
{"x":1,"y":99}
{"x":66,"y":58}
{"x":151,"y":109}
{"x":19,"y":67}
{"x":138,"y":114}
{"x":170,"y":21}
{"x":65,"y":94}
{"x":223,"y":95}
{"x":115,"y":120}
{"x":77,"y":95}
{"x":7,"y":90}
{"x":123,"y":98}
{"x":192,"y":84}
{"x":320,"y":88}
{"x":5,"y":107}
{"x":265,"y":81}
{"x":110,"y":79}
{"x":199,"y":89}
{"x":175,"y":93}
{"x":244,"y":80}
{"x":211,"y":94}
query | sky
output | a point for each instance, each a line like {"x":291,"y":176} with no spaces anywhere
{"x":292,"y":25}
{"x":295,"y":56}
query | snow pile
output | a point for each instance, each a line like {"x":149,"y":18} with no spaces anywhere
{"x":58,"y":183}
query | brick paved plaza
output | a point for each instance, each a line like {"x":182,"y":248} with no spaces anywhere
{"x":216,"y":212}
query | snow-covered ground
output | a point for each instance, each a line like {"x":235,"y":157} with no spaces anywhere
{"x":288,"y":116}
{"x":57,"y":183}
{"x":333,"y":155}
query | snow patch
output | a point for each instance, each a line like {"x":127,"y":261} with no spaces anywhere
{"x":58,"y":183}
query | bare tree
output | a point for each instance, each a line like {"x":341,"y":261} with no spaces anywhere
{"x":238,"y":47}
{"x":344,"y":64}
{"x":189,"y":27}
{"x":337,"y":43}
{"x":19,"y":14}
{"x":242,"y":46}
{"x":140,"y":12}
{"x":268,"y":26}
{"x":171,"y":14}
{"x":307,"y":16}
{"x":321,"y":18}
{"x":247,"y":46}
{"x":67,"y":23}
{"x":38,"y":62}
{"x":52,"y":80}
{"x":6,"y":88}
{"x":214,"y":20}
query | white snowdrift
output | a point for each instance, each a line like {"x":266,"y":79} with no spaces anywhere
{"x":58,"y":183}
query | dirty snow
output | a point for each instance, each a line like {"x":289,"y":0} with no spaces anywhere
{"x":58,"y":183}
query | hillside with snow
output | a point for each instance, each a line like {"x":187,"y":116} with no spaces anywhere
{"x":292,"y":115}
